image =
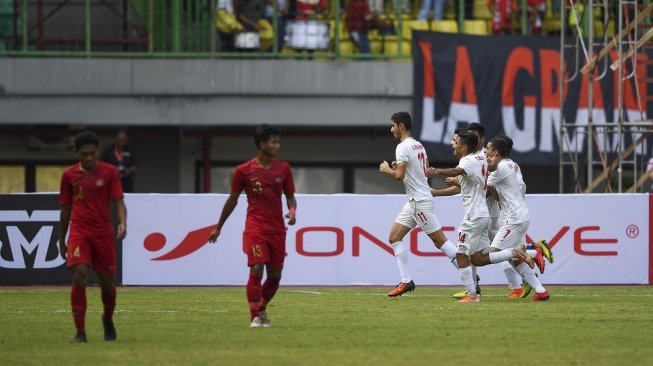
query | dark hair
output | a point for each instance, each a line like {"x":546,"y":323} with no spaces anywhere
{"x":87,"y":138}
{"x":467,"y":138}
{"x":508,"y":141}
{"x":402,"y":117}
{"x":475,"y":126}
{"x":263,"y":133}
{"x":501,"y":145}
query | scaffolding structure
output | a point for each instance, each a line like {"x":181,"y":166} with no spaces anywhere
{"x":609,"y":38}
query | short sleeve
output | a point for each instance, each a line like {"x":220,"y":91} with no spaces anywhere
{"x":288,"y":183}
{"x":65,"y":190}
{"x":498,"y":175}
{"x":400,"y":153}
{"x":467,"y":164}
{"x":116,"y":185}
{"x":237,"y":181}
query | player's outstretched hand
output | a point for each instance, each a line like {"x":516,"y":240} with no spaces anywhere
{"x":291,"y":218}
{"x":432,"y":171}
{"x":121,"y":233}
{"x":214,"y":235}
{"x":63,"y":249}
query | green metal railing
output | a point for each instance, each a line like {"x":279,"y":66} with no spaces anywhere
{"x":175,"y":29}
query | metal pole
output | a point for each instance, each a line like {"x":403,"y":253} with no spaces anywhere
{"x":176,"y":25}
{"x":25,"y":27}
{"x":87,"y":9}
{"x":589,"y":16}
{"x":150,"y":27}
{"x":620,"y":95}
{"x":561,"y":86}
{"x":39,"y":16}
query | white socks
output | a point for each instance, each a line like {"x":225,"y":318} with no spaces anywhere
{"x":502,"y":256}
{"x":514,"y":279}
{"x":401,"y":254}
{"x":468,"y":281}
{"x":529,"y":276}
{"x":450,"y":250}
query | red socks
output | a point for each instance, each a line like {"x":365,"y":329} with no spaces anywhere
{"x":270,"y":287}
{"x":78,"y":305}
{"x":109,"y":302}
{"x":253,"y":290}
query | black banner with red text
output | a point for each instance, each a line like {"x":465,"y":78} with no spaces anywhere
{"x":510,"y":85}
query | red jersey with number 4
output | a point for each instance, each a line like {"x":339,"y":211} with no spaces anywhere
{"x":263,"y":187}
{"x":89,"y":194}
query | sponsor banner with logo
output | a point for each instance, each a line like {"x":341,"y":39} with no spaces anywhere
{"x":342,"y":240}
{"x":29,"y":241}
{"x":510,"y":85}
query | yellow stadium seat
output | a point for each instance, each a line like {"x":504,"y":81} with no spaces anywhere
{"x":476,"y":27}
{"x":376,"y":46}
{"x":450,"y":9}
{"x":343,"y":34}
{"x":346,"y":47}
{"x":551,"y":25}
{"x":409,"y":25}
{"x":481,"y":10}
{"x":444,"y":26}
{"x":392,"y":47}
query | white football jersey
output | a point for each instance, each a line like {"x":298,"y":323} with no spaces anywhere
{"x":412,"y":152}
{"x":472,"y":185}
{"x":509,"y":184}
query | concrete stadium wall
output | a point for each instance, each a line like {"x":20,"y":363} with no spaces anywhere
{"x":204,"y":92}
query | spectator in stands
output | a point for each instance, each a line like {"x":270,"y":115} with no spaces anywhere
{"x":120,"y":155}
{"x":225,"y":19}
{"x":282,"y":17}
{"x":427,"y":5}
{"x":310,"y":9}
{"x":502,"y":12}
{"x":359,"y":21}
{"x":376,"y":7}
{"x":536,"y":12}
{"x":249,"y":13}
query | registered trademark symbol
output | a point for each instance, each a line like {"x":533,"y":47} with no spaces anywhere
{"x":632,"y":231}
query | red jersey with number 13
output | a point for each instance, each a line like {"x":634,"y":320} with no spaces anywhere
{"x":89,"y":194}
{"x":263,"y":187}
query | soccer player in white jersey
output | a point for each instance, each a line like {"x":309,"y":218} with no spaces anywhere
{"x":411,"y":165}
{"x":507,"y":186}
{"x":473,"y":231}
{"x":514,"y":279}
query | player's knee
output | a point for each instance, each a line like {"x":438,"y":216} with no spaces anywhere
{"x":80,"y":278}
{"x":257,"y":269}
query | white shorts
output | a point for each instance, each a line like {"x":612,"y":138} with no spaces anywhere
{"x":473,"y":235}
{"x":510,"y":236}
{"x":419,"y":213}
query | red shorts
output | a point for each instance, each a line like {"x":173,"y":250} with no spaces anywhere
{"x":97,"y":251}
{"x":265,"y":248}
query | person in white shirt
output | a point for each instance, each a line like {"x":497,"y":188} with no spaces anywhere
{"x":410,"y":166}
{"x":507,"y":186}
{"x":473,"y":239}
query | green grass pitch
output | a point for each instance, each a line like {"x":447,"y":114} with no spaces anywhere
{"x":333,"y":326}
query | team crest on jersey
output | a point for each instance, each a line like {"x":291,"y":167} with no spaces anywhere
{"x":99,"y":182}
{"x":79,"y":194}
{"x":278,"y":179}
{"x":257,"y":186}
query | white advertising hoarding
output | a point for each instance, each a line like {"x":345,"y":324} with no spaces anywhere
{"x":342,"y":240}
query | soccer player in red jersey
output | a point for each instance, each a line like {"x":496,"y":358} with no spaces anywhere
{"x":264,"y":178}
{"x":86,"y":190}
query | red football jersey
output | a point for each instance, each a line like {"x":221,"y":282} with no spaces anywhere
{"x":264,"y":187}
{"x":89,"y":193}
